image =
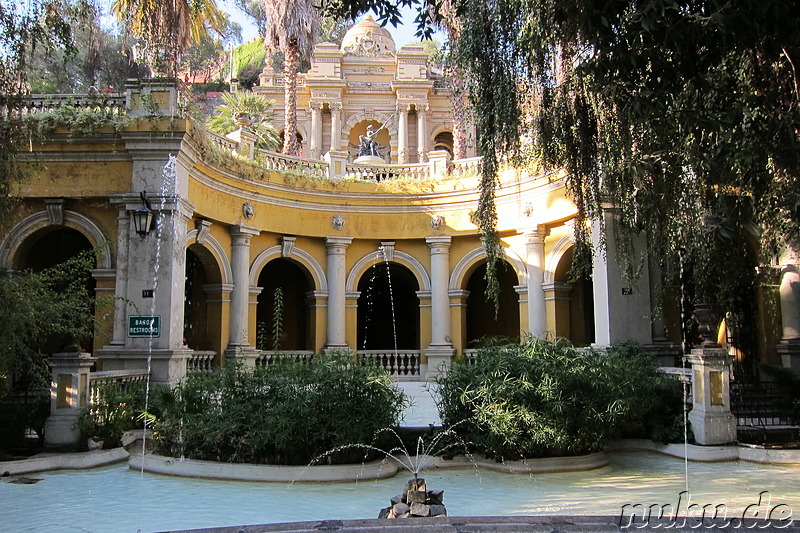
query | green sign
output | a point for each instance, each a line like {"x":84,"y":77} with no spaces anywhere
{"x":144,"y":326}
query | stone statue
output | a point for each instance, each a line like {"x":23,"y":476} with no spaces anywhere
{"x":368,"y":144}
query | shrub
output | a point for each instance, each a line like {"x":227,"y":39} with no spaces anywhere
{"x":120,"y":407}
{"x":286,"y":413}
{"x":546,"y":398}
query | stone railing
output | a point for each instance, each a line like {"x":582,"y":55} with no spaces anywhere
{"x":416,"y":171}
{"x":221,"y":142}
{"x":464,"y":167}
{"x":201,"y":361}
{"x":269,"y":357}
{"x":110,"y":102}
{"x":397,"y":363}
{"x":119,"y":378}
{"x":287,"y":163}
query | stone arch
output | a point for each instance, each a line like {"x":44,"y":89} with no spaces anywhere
{"x":10,"y":246}
{"x":401,"y":258}
{"x":213,"y":246}
{"x":472,"y":259}
{"x":554,"y":258}
{"x":378,"y":116}
{"x":299,"y":256}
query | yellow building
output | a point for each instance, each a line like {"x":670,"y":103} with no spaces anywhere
{"x":383,"y":260}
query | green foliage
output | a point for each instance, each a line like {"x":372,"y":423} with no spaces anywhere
{"x":252,"y":105}
{"x":248,"y":62}
{"x":81,"y":120}
{"x":287,"y":413}
{"x":54,"y":303}
{"x":546,"y":398}
{"x":277,"y":318}
{"x":120,"y":408}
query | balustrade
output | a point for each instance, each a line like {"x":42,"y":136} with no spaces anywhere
{"x":120,"y":378}
{"x":201,"y":361}
{"x":397,"y":363}
{"x":269,"y":357}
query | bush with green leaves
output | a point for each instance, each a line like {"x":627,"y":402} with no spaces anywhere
{"x":546,"y":398}
{"x":245,"y":103}
{"x":286,"y":413}
{"x":119,"y":407}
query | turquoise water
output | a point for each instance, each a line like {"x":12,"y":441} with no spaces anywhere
{"x":115,"y":498}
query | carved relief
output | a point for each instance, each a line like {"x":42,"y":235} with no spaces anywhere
{"x":437,"y":222}
{"x":247,"y":210}
{"x":368,"y":45}
{"x":338,"y":222}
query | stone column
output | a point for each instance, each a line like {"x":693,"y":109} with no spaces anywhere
{"x":337,"y":277}
{"x":121,"y":289}
{"x":238,"y":344}
{"x":422,"y":133}
{"x":402,"y":134}
{"x":336,"y":126}
{"x":69,"y":394}
{"x":789,"y":345}
{"x":627,"y":302}
{"x":537,"y":314}
{"x":440,"y":351}
{"x":711,"y":418}
{"x":315,"y":143}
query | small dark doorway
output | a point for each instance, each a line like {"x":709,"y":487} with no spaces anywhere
{"x":288,"y":315}
{"x":481,"y":319}
{"x":388,"y":307}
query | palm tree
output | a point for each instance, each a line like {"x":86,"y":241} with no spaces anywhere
{"x":449,"y":24}
{"x":167,"y":27}
{"x":292,"y":27}
{"x":254,"y":106}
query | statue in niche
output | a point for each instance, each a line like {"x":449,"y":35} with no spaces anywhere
{"x":368,"y":144}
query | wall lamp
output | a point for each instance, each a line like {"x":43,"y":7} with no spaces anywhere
{"x":143,"y":220}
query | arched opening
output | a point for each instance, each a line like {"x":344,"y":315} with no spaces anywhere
{"x":382,"y":138}
{"x":482,"y":322}
{"x":202,"y":306}
{"x":388,"y":308}
{"x":571,"y":304}
{"x":444,"y":141}
{"x":45,"y":249}
{"x":284,"y":318}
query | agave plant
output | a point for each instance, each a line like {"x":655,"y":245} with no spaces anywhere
{"x":254,"y":107}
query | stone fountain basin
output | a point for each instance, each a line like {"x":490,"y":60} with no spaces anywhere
{"x":379,"y":469}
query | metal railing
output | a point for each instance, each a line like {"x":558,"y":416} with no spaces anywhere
{"x":397,"y":363}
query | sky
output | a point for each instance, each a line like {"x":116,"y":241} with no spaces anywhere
{"x":402,"y":34}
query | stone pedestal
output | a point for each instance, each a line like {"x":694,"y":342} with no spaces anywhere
{"x":69,"y":393}
{"x":439,"y":359}
{"x":789,"y":350}
{"x":711,"y":418}
{"x":369,"y":160}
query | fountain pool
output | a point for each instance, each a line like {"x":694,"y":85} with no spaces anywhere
{"x":118,"y":499}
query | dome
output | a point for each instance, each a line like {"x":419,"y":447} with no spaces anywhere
{"x":368,"y":39}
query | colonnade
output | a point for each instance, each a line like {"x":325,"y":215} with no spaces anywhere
{"x":423,"y":141}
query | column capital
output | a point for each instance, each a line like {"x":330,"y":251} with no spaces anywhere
{"x":241,"y":234}
{"x":403,"y":107}
{"x":338,"y":242}
{"x":315,"y":106}
{"x":422,"y":109}
{"x":537,"y":234}
{"x":439,"y":241}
